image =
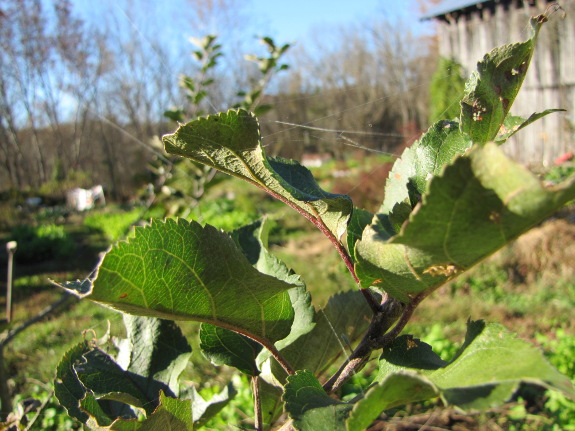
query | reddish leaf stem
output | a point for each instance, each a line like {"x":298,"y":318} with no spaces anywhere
{"x":281,"y":360}
{"x":317,"y":221}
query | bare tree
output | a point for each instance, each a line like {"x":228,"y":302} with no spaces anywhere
{"x":46,"y":61}
{"x":365,"y":86}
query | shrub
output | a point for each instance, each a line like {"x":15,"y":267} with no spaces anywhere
{"x":37,"y":244}
{"x":446,"y":89}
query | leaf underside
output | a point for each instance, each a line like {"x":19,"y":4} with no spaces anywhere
{"x":231,"y":142}
{"x":483,"y":199}
{"x":452,"y":189}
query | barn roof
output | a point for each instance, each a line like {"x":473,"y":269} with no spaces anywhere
{"x":447,"y":6}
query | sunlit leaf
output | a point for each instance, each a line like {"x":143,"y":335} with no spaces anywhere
{"x":514,"y":124}
{"x":479,"y":204}
{"x":230,"y":142}
{"x":411,"y":173}
{"x":179,"y":270}
{"x":492,"y":89}
{"x":485,"y":372}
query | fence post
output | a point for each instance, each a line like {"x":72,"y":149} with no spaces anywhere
{"x":10,"y":248}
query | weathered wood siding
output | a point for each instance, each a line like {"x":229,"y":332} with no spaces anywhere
{"x":550,"y":82}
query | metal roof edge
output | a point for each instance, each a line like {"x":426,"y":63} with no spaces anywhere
{"x":449,"y":6}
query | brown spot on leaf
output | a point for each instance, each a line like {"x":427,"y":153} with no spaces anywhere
{"x":495,"y":217}
{"x":411,"y":343}
{"x":123,"y":295}
{"x":448,"y":270}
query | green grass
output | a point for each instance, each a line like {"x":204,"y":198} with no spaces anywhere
{"x":114,"y":224}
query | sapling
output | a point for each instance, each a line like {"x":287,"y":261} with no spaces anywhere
{"x":452,"y":199}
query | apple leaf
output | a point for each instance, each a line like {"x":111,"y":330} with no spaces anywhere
{"x":484,"y":199}
{"x":179,"y":270}
{"x":231,"y":142}
{"x":224,"y":347}
{"x":485,"y":372}
{"x":310,"y":407}
{"x":493,"y":87}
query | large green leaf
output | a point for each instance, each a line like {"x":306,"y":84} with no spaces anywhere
{"x":105,"y":379}
{"x":67,"y":388}
{"x":179,"y":270}
{"x":492,"y":89}
{"x":486,"y":371}
{"x":489,"y":94}
{"x":97,"y":392}
{"x":224,"y":347}
{"x":479,"y":204}
{"x":310,"y":407}
{"x":172,"y":414}
{"x":154,"y":348}
{"x":79,"y":401}
{"x":230,"y":142}
{"x":395,"y":390}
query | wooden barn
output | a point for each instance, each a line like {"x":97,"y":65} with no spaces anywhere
{"x":468,"y":29}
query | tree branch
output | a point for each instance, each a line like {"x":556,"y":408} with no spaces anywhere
{"x":385,"y":317}
{"x":258,"y":420}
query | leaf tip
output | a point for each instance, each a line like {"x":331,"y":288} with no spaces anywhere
{"x":80,"y":288}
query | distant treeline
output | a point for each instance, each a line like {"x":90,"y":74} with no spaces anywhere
{"x":82,"y":104}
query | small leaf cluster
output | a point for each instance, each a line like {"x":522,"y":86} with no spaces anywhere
{"x":452,"y":199}
{"x":207,"y":53}
{"x":184,"y":180}
{"x":268,"y":67}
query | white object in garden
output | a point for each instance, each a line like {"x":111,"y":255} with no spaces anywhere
{"x":85,"y":199}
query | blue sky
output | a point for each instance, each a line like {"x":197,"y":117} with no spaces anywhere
{"x":294,"y":20}
{"x":284,"y":21}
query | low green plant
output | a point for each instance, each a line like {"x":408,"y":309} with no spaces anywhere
{"x":559,"y":350}
{"x":40,"y":243}
{"x":115,"y":225}
{"x":223,"y":213}
{"x":451,"y":200}
{"x":559,"y":173}
{"x":445,"y":91}
{"x":39,"y":410}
